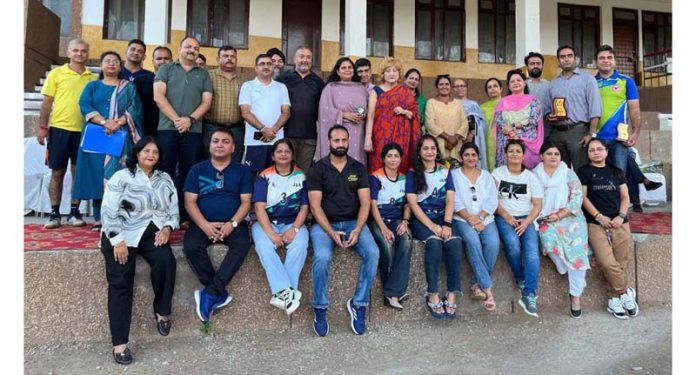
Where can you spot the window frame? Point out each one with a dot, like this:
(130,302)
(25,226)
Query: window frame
(225,23)
(653,26)
(595,20)
(370,16)
(432,8)
(105,23)
(495,12)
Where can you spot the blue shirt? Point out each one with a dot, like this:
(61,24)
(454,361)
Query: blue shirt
(433,200)
(390,195)
(615,91)
(218,191)
(581,97)
(284,195)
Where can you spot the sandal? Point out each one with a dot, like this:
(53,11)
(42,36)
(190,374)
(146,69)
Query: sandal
(123,358)
(96,227)
(489,304)
(452,306)
(476,293)
(432,307)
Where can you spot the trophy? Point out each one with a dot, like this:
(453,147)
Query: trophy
(622,132)
(559,110)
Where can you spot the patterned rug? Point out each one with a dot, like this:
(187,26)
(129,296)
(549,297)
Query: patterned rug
(651,222)
(37,238)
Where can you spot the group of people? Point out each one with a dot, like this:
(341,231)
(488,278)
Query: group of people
(375,165)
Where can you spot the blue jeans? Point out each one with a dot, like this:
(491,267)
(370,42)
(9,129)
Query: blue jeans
(324,246)
(434,246)
(394,258)
(618,154)
(524,270)
(182,150)
(481,249)
(281,275)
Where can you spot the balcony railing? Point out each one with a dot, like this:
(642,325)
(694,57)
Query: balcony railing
(657,69)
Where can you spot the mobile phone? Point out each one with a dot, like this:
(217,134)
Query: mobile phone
(258,135)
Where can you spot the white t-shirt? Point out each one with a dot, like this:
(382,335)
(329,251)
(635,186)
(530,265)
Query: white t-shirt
(265,102)
(483,189)
(515,192)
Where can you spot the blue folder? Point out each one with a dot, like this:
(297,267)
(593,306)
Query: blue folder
(97,141)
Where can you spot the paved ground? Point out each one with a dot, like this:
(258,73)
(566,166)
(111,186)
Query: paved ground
(513,344)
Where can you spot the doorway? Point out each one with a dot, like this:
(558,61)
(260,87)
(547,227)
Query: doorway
(626,41)
(302,27)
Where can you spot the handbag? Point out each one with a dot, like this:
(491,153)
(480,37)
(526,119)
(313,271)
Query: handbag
(97,141)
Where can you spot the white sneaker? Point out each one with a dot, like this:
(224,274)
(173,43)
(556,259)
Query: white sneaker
(615,308)
(290,299)
(277,301)
(628,301)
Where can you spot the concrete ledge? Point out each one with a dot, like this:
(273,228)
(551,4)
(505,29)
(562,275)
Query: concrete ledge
(65,294)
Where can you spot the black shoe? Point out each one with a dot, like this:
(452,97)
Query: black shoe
(574,313)
(163,326)
(652,185)
(637,207)
(124,358)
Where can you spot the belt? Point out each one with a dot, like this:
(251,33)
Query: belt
(566,127)
(226,124)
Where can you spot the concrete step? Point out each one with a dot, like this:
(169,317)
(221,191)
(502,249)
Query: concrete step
(66,292)
(33,96)
(32,104)
(38,88)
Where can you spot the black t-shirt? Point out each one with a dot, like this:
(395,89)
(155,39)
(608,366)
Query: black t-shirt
(304,96)
(602,190)
(143,85)
(340,200)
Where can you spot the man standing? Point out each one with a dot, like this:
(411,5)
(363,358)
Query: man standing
(218,197)
(265,107)
(161,55)
(537,85)
(278,58)
(224,110)
(335,184)
(573,107)
(304,89)
(183,93)
(143,79)
(364,69)
(61,95)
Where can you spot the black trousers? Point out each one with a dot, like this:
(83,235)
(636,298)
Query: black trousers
(120,279)
(196,250)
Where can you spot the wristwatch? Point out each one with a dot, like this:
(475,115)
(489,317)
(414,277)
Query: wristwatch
(593,135)
(193,119)
(234,223)
(622,215)
(297,230)
(102,122)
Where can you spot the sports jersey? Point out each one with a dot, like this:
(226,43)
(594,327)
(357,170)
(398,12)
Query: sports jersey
(390,195)
(284,195)
(433,200)
(615,91)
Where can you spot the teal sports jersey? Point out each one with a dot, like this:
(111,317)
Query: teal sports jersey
(390,195)
(615,91)
(433,200)
(283,195)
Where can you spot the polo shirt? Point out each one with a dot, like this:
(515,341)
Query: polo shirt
(65,86)
(304,96)
(284,195)
(218,191)
(340,201)
(615,91)
(582,97)
(184,92)
(265,102)
(434,199)
(390,195)
(225,106)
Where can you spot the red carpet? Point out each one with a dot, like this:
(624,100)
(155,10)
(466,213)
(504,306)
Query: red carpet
(37,238)
(651,222)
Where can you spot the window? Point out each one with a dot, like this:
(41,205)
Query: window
(657,32)
(578,26)
(218,22)
(124,19)
(434,41)
(63,9)
(380,26)
(496,30)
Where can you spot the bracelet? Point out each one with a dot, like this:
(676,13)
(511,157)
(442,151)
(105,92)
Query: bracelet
(597,215)
(193,119)
(447,224)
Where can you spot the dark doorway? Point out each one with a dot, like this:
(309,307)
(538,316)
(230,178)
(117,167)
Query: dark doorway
(626,40)
(302,26)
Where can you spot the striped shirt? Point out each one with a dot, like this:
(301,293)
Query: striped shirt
(225,106)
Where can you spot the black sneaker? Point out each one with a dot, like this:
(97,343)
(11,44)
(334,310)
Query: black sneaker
(637,207)
(652,185)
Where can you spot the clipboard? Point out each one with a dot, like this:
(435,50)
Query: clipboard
(97,141)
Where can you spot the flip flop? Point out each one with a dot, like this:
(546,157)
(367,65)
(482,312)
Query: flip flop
(432,307)
(476,293)
(489,304)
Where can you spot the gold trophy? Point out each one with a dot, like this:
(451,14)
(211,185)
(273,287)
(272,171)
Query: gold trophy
(622,132)
(559,110)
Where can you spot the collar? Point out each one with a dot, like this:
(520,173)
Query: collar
(327,160)
(66,69)
(614,75)
(177,62)
(258,82)
(139,170)
(217,71)
(577,70)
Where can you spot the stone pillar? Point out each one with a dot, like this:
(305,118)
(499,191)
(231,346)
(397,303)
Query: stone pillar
(527,29)
(356,27)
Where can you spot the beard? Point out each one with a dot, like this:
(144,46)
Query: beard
(535,73)
(340,152)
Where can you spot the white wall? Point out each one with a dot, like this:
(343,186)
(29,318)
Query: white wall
(178,15)
(331,20)
(93,12)
(266,18)
(405,23)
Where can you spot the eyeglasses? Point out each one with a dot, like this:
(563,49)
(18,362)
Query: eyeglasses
(598,149)
(111,62)
(220,180)
(473,194)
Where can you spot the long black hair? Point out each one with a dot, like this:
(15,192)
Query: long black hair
(607,161)
(333,77)
(421,183)
(101,58)
(132,160)
(408,73)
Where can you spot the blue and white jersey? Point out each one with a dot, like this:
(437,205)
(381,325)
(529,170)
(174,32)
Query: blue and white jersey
(283,195)
(390,195)
(433,200)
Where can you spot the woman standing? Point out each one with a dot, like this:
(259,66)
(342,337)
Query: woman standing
(281,206)
(518,116)
(519,202)
(493,88)
(562,227)
(412,80)
(113,103)
(430,196)
(475,202)
(343,101)
(392,116)
(140,211)
(605,204)
(389,225)
(447,121)
(478,126)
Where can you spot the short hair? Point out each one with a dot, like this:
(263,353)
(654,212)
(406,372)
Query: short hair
(442,76)
(132,160)
(338,127)
(181,43)
(101,58)
(259,57)
(485,85)
(276,51)
(547,146)
(518,142)
(202,57)
(521,74)
(567,46)
(386,63)
(77,41)
(391,146)
(533,54)
(280,142)
(602,48)
(301,47)
(222,129)
(137,41)
(363,62)
(224,48)
(161,47)
(466,146)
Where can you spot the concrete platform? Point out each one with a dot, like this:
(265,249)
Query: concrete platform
(65,293)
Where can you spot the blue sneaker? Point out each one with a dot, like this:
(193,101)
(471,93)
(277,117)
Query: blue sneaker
(221,301)
(204,304)
(357,317)
(321,325)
